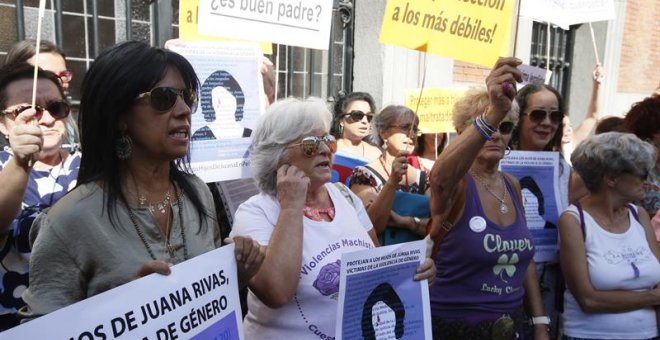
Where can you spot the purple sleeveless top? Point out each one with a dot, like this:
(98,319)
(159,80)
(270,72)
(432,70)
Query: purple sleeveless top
(480,269)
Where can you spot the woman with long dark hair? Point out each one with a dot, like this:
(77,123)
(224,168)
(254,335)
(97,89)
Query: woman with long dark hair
(136,209)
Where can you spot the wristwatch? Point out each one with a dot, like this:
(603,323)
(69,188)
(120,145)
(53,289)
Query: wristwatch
(539,320)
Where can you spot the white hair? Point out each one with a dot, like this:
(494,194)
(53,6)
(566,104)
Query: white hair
(283,123)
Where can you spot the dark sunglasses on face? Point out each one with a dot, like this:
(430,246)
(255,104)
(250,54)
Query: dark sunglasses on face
(310,145)
(505,128)
(357,115)
(164,98)
(538,116)
(65,76)
(58,109)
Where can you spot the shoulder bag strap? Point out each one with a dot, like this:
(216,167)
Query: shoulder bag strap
(344,191)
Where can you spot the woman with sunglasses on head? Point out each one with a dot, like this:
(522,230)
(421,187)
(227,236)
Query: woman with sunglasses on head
(306,222)
(34,171)
(609,255)
(486,281)
(135,198)
(393,191)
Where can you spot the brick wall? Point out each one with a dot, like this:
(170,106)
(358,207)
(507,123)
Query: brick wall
(470,73)
(639,70)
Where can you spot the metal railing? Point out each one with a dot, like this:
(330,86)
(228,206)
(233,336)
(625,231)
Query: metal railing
(561,50)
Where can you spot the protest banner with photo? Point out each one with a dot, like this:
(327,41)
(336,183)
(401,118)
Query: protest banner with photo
(540,184)
(188,26)
(378,298)
(289,22)
(475,32)
(198,300)
(434,108)
(229,104)
(564,13)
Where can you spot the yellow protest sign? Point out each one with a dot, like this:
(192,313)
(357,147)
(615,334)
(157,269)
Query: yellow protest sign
(188,20)
(475,31)
(435,107)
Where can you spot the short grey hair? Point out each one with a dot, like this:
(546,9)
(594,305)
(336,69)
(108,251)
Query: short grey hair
(283,123)
(386,118)
(473,103)
(611,154)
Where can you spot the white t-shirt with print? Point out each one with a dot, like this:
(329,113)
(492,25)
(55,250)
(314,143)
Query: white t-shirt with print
(312,312)
(615,262)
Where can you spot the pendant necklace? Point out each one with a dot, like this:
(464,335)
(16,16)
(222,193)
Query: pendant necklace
(503,207)
(168,246)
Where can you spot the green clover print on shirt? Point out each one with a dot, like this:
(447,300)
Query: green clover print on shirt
(504,264)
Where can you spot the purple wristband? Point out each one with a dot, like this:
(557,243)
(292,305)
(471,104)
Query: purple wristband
(480,130)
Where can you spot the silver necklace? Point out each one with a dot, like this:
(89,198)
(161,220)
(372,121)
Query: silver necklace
(503,207)
(160,205)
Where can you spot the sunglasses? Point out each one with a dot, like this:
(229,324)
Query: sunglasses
(538,116)
(310,145)
(505,128)
(57,109)
(164,98)
(407,129)
(65,76)
(357,115)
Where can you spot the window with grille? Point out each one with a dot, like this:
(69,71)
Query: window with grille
(560,52)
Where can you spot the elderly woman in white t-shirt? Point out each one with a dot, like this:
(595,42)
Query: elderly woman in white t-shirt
(609,255)
(306,222)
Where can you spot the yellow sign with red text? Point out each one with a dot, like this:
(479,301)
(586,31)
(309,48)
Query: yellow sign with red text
(188,22)
(475,31)
(434,109)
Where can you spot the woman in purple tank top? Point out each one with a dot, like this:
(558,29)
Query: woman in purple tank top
(484,250)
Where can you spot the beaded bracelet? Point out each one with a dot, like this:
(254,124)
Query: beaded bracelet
(481,131)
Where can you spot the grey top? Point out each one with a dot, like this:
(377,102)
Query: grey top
(78,253)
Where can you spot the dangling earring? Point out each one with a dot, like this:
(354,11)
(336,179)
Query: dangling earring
(123,147)
(341,130)
(507,151)
(384,144)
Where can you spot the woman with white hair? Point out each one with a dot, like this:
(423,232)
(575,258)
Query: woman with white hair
(486,281)
(306,222)
(609,255)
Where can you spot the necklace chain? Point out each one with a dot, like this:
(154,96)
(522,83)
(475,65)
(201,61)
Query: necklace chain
(503,207)
(168,245)
(160,205)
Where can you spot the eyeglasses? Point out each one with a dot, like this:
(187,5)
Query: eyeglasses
(65,76)
(538,116)
(58,109)
(643,175)
(310,144)
(164,98)
(357,115)
(505,128)
(407,129)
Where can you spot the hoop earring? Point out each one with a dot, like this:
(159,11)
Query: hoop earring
(507,151)
(384,144)
(123,147)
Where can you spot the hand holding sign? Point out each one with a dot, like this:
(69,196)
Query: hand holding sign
(501,84)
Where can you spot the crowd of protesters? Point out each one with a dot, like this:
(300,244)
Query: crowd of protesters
(76,222)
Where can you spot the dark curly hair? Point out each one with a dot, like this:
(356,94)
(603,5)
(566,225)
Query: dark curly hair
(643,119)
(523,101)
